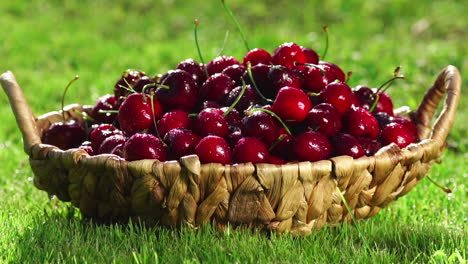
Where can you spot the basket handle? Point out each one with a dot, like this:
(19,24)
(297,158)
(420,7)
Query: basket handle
(23,114)
(448,83)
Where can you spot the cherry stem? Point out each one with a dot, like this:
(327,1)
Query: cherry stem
(237,24)
(192,114)
(274,115)
(311,65)
(374,104)
(249,71)
(277,141)
(382,87)
(237,99)
(154,120)
(226,37)
(348,76)
(195,33)
(84,115)
(325,29)
(313,94)
(445,189)
(101,111)
(130,89)
(65,92)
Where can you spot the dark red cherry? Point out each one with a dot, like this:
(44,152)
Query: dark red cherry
(118,150)
(210,104)
(213,149)
(260,76)
(360,123)
(337,71)
(311,55)
(287,54)
(383,119)
(86,146)
(276,160)
(250,149)
(144,146)
(99,133)
(281,76)
(337,94)
(235,72)
(181,142)
(105,103)
(182,92)
(135,114)
(233,137)
(396,133)
(129,77)
(233,118)
(247,100)
(142,82)
(367,98)
(314,79)
(65,135)
(311,146)
(370,146)
(346,144)
(110,143)
(384,104)
(174,119)
(292,105)
(218,64)
(257,56)
(261,125)
(194,69)
(210,121)
(216,87)
(408,124)
(324,118)
(282,144)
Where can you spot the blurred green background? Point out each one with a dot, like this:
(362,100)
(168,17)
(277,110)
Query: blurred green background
(46,42)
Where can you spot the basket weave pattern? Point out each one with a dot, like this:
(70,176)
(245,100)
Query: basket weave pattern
(296,197)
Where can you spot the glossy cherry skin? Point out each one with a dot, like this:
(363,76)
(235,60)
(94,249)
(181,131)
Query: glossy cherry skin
(346,144)
(282,144)
(291,105)
(360,123)
(182,92)
(218,64)
(384,104)
(233,137)
(369,146)
(250,149)
(260,76)
(135,114)
(65,135)
(118,150)
(210,104)
(337,94)
(324,118)
(106,102)
(216,87)
(213,149)
(233,118)
(408,124)
(311,55)
(174,119)
(181,142)
(287,54)
(110,143)
(311,146)
(235,72)
(142,82)
(194,69)
(281,76)
(396,133)
(129,77)
(367,97)
(210,121)
(276,160)
(99,133)
(86,146)
(337,71)
(248,98)
(144,146)
(257,56)
(261,125)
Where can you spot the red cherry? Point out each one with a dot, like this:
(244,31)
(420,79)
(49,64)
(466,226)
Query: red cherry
(106,102)
(135,114)
(210,121)
(360,123)
(396,133)
(260,125)
(260,76)
(292,105)
(247,100)
(311,146)
(275,160)
(86,146)
(346,144)
(173,119)
(101,132)
(324,118)
(311,55)
(337,94)
(216,87)
(181,142)
(218,64)
(193,68)
(257,56)
(235,72)
(370,146)
(108,145)
(250,149)
(182,92)
(65,135)
(144,146)
(213,149)
(281,76)
(408,124)
(337,71)
(288,54)
(129,77)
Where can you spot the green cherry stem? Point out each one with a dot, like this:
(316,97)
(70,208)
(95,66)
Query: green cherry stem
(445,189)
(277,141)
(108,111)
(195,33)
(325,29)
(154,120)
(228,10)
(65,92)
(237,99)
(249,71)
(272,114)
(226,37)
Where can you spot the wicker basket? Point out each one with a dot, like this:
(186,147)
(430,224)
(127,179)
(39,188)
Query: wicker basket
(296,197)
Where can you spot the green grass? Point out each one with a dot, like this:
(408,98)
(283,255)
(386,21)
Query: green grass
(46,43)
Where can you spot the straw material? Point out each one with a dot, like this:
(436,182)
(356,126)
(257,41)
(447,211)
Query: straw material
(297,197)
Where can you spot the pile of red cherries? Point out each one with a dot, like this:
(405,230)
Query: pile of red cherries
(285,107)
